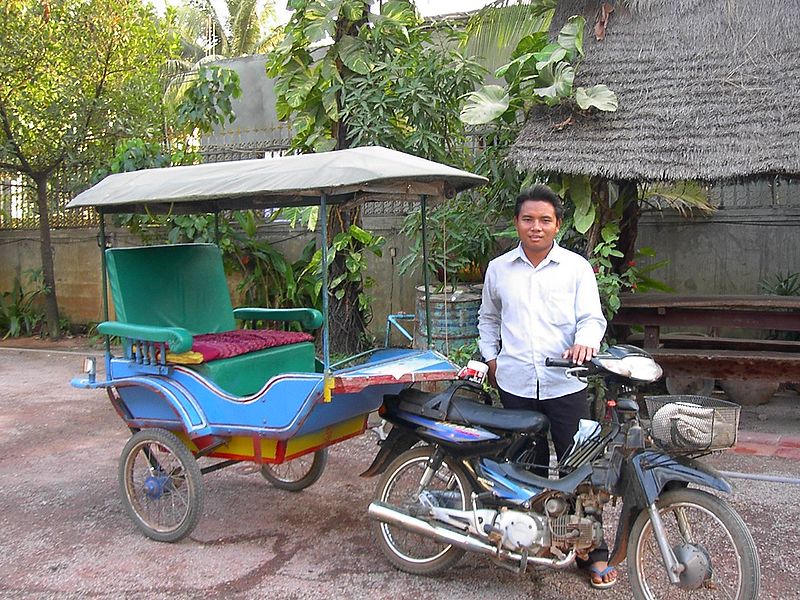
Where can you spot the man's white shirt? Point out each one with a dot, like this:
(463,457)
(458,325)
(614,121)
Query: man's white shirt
(538,312)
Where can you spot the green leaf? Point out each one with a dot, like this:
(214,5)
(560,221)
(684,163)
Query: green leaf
(597,96)
(302,123)
(584,220)
(365,237)
(580,192)
(555,81)
(571,36)
(300,86)
(646,251)
(485,105)
(313,217)
(354,55)
(400,12)
(341,240)
(530,44)
(324,145)
(353,11)
(545,59)
(330,103)
(320,25)
(610,232)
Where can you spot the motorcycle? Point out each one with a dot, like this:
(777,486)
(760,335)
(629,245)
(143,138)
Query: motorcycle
(470,485)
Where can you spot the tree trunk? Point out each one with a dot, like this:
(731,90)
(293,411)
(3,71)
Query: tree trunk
(348,325)
(46,251)
(629,224)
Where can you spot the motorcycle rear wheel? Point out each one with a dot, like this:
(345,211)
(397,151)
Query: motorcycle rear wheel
(703,526)
(400,487)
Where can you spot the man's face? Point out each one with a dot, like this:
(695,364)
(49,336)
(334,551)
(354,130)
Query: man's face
(537,226)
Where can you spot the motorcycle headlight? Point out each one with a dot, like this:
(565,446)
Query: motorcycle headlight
(640,368)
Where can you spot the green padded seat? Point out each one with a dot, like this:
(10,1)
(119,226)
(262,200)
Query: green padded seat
(245,374)
(184,286)
(181,285)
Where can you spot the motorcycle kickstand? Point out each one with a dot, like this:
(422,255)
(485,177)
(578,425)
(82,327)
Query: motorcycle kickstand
(520,569)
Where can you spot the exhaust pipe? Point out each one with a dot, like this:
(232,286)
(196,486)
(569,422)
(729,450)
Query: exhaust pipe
(380,511)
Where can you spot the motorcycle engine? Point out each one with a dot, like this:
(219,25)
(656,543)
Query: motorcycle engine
(522,530)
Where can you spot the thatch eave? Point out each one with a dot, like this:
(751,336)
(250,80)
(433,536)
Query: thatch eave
(709,90)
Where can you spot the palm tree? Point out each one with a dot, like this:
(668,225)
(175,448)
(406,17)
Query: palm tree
(496,29)
(207,35)
(249,27)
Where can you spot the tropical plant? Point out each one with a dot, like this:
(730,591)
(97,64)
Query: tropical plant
(19,313)
(461,239)
(500,25)
(540,73)
(780,284)
(409,98)
(250,27)
(206,101)
(344,80)
(85,79)
(611,281)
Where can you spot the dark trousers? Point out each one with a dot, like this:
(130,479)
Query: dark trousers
(563,413)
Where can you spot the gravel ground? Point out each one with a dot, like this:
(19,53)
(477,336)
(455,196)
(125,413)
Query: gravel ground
(65,533)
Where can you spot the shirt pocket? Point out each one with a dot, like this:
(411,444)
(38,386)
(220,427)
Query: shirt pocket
(561,308)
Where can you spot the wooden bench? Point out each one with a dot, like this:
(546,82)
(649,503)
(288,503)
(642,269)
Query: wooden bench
(752,365)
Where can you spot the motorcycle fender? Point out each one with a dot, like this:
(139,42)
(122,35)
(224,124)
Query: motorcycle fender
(655,470)
(646,476)
(398,441)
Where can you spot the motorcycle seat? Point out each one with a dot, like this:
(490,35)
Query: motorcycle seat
(468,412)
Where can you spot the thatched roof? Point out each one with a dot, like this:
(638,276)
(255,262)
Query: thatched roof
(708,90)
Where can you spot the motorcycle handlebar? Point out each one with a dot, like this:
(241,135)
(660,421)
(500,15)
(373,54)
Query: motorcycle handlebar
(559,362)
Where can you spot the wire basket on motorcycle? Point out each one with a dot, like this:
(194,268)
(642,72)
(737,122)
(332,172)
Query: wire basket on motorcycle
(688,424)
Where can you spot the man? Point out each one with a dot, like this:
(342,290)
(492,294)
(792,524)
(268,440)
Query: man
(541,301)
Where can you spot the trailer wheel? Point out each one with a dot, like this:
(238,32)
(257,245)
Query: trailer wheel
(161,485)
(297,474)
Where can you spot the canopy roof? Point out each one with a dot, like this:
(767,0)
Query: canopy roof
(708,90)
(368,173)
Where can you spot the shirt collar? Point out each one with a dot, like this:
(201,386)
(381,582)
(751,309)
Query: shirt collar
(553,256)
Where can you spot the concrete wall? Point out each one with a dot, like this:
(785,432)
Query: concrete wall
(256,122)
(754,234)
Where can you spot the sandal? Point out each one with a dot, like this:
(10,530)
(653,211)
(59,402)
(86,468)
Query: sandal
(600,574)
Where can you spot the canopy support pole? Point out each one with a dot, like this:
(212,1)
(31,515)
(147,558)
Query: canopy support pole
(326,350)
(104,279)
(424,214)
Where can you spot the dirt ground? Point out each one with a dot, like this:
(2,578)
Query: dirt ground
(65,533)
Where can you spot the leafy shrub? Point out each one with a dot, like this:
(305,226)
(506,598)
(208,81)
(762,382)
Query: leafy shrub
(19,314)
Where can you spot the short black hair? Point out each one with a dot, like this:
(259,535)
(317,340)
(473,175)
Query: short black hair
(541,193)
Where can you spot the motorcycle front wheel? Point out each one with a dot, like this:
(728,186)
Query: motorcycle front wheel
(408,484)
(708,536)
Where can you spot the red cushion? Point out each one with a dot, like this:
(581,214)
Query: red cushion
(214,346)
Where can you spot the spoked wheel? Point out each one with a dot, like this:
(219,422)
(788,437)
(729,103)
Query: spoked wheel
(408,484)
(297,474)
(161,485)
(708,537)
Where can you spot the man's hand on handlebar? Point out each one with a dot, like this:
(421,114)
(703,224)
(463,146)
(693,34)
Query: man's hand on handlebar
(579,354)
